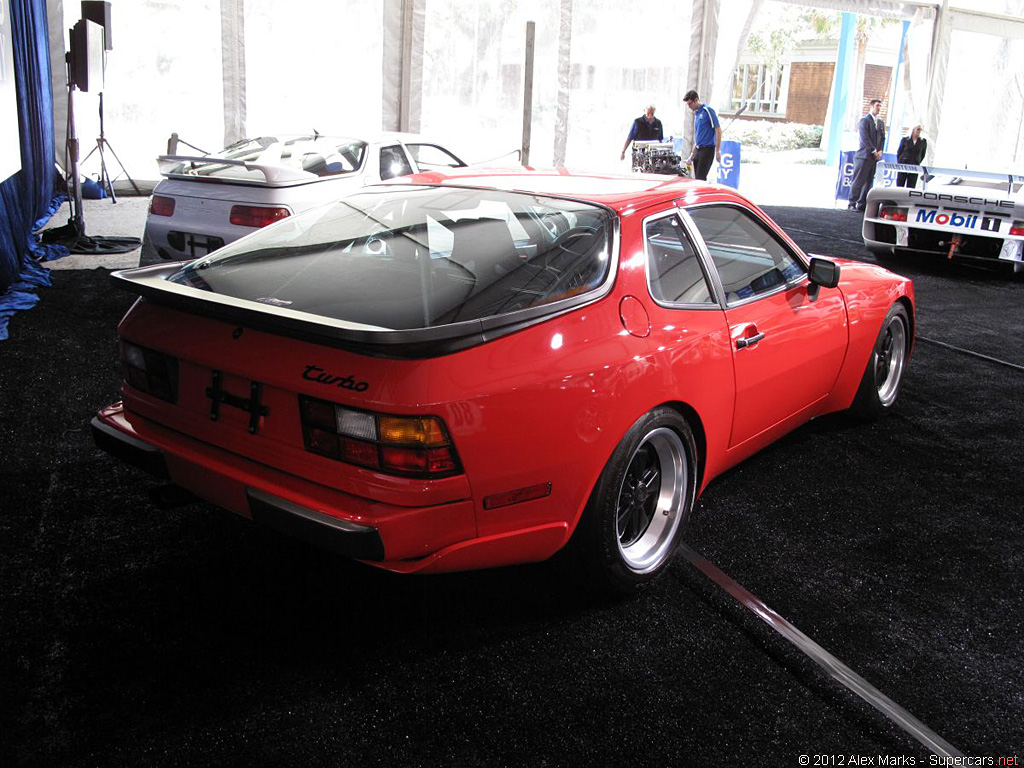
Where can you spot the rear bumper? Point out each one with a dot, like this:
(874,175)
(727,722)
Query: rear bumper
(430,539)
(128,448)
(884,236)
(362,542)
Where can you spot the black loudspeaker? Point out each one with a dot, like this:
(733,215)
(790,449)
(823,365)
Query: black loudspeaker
(86,56)
(99,11)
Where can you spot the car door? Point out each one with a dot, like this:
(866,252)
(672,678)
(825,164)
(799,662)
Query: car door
(787,347)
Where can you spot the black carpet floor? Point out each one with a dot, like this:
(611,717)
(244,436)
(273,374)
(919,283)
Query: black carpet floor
(134,636)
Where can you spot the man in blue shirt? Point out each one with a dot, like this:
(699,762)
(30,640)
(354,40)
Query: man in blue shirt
(645,128)
(707,136)
(871,132)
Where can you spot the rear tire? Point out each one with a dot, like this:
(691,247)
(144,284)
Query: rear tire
(880,385)
(634,520)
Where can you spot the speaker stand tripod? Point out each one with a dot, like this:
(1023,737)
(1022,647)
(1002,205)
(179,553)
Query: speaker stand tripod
(102,144)
(73,234)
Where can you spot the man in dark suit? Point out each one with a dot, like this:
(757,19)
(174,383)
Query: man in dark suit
(871,131)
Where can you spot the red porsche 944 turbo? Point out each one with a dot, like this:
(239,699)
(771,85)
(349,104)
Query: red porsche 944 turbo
(477,369)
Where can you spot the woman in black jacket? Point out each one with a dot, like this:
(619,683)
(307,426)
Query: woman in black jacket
(911,152)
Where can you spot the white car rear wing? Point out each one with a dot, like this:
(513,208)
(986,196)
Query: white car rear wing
(273,175)
(928,172)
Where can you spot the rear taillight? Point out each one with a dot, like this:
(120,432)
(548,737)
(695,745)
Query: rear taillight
(892,213)
(257,215)
(150,371)
(416,446)
(161,206)
(1017,228)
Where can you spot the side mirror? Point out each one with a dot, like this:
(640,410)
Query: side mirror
(822,274)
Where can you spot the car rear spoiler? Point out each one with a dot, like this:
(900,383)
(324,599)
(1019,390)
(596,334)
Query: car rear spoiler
(928,172)
(151,283)
(273,175)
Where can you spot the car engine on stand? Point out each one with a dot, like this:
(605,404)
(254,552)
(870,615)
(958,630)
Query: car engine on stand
(659,157)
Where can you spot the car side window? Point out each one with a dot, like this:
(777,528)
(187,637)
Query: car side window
(673,267)
(749,259)
(393,162)
(433,156)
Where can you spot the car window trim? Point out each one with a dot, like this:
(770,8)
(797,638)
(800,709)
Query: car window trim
(713,288)
(789,284)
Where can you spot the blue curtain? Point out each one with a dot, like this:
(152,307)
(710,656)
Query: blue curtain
(26,199)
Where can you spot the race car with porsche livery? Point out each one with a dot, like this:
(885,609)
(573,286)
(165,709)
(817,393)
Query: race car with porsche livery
(961,215)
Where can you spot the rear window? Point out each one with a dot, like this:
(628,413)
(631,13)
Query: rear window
(318,155)
(417,257)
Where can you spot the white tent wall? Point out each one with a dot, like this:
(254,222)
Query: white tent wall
(214,70)
(704,25)
(58,77)
(233,81)
(314,65)
(624,58)
(978,118)
(404,23)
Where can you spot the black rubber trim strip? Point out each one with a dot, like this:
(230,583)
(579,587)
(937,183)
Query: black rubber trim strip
(833,666)
(129,449)
(339,536)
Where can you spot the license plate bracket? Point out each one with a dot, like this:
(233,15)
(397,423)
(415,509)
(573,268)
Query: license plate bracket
(253,405)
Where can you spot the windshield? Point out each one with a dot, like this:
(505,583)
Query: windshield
(319,155)
(417,257)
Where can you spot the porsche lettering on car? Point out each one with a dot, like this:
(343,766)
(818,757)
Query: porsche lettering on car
(958,214)
(476,369)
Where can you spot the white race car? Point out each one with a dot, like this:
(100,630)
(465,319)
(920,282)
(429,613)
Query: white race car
(954,214)
(207,201)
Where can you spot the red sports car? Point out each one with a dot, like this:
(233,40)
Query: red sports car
(471,370)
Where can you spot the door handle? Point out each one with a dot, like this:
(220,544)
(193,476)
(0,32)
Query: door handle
(749,341)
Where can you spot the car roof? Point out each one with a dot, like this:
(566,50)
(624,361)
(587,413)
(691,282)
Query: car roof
(620,192)
(369,137)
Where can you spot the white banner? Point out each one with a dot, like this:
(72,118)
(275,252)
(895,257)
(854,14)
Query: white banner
(10,136)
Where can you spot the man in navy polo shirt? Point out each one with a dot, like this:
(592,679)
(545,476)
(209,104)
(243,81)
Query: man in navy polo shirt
(707,136)
(645,128)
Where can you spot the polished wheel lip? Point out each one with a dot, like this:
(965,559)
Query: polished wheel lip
(890,357)
(653,490)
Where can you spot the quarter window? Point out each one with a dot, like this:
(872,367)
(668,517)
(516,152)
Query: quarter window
(673,267)
(393,162)
(749,259)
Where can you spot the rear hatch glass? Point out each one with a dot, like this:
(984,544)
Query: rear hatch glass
(414,257)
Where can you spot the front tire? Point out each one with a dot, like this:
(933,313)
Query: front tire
(634,520)
(880,385)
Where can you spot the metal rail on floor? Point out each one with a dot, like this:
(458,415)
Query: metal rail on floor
(833,666)
(972,353)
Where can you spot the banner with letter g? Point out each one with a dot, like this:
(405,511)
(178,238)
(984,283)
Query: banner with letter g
(729,168)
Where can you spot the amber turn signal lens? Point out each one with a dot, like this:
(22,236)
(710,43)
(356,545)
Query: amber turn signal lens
(423,432)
